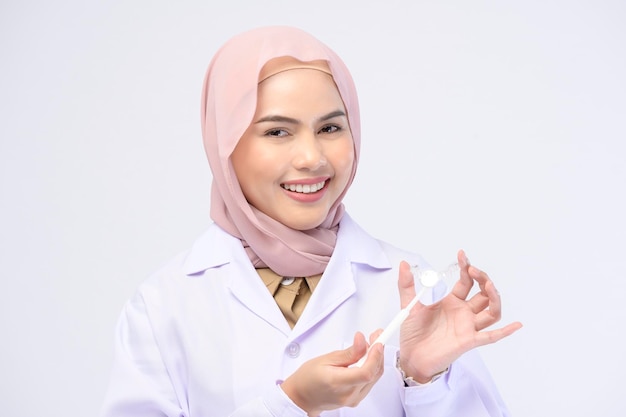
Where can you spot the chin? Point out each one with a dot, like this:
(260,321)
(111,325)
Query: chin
(304,224)
(302,218)
(304,227)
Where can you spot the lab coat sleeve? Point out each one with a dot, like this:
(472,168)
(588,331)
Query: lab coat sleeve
(141,384)
(467,389)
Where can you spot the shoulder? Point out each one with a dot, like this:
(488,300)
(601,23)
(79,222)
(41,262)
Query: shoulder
(212,248)
(370,249)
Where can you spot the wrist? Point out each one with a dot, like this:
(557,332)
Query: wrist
(295,397)
(413,378)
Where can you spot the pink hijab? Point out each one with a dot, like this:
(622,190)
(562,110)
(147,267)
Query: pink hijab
(228,106)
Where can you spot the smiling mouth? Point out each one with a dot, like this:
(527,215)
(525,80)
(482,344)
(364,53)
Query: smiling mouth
(304,188)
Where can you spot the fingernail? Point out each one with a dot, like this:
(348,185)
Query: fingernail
(467,262)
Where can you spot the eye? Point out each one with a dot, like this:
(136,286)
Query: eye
(277,133)
(330,129)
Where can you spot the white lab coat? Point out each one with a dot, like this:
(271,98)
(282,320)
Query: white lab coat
(203,337)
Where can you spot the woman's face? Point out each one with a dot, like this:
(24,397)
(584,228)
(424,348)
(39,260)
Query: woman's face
(295,159)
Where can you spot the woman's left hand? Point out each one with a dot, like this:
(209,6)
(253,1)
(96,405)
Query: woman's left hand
(432,337)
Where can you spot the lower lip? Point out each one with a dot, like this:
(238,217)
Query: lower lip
(307,197)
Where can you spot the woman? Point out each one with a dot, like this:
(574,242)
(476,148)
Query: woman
(205,337)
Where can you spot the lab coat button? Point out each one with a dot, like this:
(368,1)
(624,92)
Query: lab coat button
(293,350)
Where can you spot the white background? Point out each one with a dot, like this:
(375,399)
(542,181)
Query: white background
(497,127)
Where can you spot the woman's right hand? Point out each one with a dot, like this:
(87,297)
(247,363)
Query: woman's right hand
(328,382)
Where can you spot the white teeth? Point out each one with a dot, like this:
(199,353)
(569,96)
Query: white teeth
(304,188)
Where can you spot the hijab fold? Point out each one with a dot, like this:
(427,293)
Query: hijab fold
(228,105)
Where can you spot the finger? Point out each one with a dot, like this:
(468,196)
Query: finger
(464,285)
(375,335)
(373,340)
(479,276)
(485,319)
(406,284)
(488,289)
(374,364)
(489,316)
(373,374)
(469,274)
(352,354)
(478,302)
(492,336)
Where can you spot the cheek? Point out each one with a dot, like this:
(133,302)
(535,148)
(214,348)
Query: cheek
(254,161)
(248,164)
(344,158)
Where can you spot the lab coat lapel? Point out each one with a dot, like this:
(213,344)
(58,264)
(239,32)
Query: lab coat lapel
(248,288)
(335,287)
(354,247)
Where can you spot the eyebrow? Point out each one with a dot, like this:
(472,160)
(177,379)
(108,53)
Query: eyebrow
(285,119)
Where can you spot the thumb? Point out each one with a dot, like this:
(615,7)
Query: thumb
(406,284)
(353,353)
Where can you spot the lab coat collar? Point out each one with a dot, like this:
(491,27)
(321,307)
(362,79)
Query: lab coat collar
(354,249)
(359,247)
(217,248)
(205,254)
(355,245)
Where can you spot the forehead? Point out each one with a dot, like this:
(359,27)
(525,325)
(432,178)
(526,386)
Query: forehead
(297,91)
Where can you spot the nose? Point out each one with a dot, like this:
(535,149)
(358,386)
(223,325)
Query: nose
(308,152)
